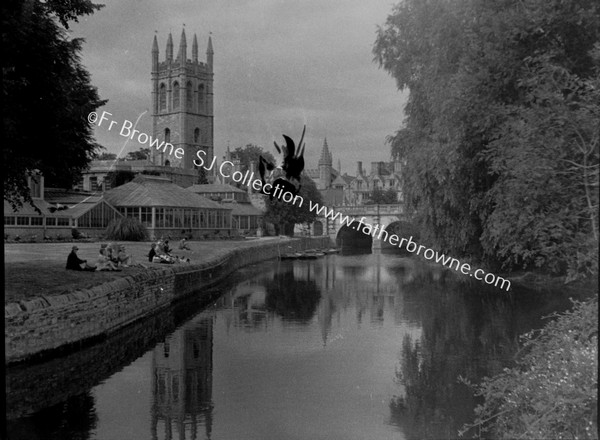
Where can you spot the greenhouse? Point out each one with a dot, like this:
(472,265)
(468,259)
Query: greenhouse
(167,209)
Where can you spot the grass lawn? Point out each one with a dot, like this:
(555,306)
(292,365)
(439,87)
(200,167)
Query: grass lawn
(51,278)
(36,269)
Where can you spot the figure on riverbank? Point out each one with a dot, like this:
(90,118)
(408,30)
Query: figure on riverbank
(76,263)
(104,262)
(183,245)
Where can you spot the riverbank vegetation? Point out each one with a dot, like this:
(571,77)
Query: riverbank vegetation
(552,390)
(501,152)
(500,142)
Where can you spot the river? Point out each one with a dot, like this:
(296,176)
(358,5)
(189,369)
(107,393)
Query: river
(364,346)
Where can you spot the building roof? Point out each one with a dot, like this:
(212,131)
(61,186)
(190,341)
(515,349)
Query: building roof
(214,188)
(69,196)
(49,209)
(157,191)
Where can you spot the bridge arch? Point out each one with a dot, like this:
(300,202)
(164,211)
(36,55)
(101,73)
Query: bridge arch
(352,237)
(402,229)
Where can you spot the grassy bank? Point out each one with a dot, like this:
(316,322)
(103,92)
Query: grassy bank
(36,269)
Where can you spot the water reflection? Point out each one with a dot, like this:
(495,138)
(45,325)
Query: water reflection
(182,368)
(345,347)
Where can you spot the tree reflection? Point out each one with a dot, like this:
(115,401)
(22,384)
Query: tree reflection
(291,298)
(72,419)
(468,334)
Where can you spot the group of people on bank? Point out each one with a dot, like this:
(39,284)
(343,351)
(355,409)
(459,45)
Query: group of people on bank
(161,252)
(111,257)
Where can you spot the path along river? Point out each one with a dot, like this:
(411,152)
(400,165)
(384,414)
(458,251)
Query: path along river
(345,347)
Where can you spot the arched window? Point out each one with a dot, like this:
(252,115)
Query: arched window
(201,98)
(167,135)
(196,135)
(176,95)
(189,96)
(162,97)
(167,163)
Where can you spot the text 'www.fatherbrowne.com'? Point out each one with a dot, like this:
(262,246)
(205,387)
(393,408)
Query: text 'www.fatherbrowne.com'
(411,246)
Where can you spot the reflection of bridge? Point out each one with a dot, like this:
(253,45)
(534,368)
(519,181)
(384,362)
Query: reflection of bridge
(382,215)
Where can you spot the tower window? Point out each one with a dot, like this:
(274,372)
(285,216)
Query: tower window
(167,135)
(189,96)
(196,135)
(176,95)
(201,98)
(162,97)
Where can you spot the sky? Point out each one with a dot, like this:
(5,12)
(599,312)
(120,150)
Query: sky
(278,64)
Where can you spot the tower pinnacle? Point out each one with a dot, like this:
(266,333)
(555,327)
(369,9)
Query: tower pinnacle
(170,47)
(195,49)
(182,56)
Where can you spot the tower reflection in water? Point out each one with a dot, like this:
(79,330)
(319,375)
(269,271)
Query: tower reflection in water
(182,382)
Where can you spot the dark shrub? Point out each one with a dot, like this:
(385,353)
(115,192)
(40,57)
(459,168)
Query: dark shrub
(126,229)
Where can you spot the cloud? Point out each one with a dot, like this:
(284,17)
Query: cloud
(278,65)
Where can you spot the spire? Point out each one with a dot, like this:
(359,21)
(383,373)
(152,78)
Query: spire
(325,155)
(170,48)
(195,50)
(182,56)
(209,54)
(339,166)
(155,54)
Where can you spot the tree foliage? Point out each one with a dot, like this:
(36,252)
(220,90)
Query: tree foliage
(47,96)
(141,154)
(249,154)
(118,178)
(284,215)
(552,392)
(107,156)
(501,135)
(382,197)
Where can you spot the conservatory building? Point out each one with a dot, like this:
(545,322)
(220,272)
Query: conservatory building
(167,209)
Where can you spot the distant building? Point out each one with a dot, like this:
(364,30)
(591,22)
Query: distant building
(342,189)
(246,217)
(59,212)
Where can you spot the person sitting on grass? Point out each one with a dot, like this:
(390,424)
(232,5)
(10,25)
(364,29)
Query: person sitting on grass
(104,263)
(152,252)
(75,263)
(183,245)
(122,257)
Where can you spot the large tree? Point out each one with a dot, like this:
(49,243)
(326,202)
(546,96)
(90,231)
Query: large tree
(46,95)
(501,136)
(285,215)
(250,154)
(141,154)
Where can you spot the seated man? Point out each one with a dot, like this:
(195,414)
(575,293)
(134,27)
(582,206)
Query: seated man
(183,245)
(75,263)
(152,252)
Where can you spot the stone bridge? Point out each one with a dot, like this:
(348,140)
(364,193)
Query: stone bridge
(381,215)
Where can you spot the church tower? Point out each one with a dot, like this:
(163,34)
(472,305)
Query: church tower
(325,164)
(182,103)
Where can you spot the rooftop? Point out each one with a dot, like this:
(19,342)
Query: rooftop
(157,191)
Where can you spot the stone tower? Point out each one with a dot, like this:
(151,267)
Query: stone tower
(182,103)
(325,164)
